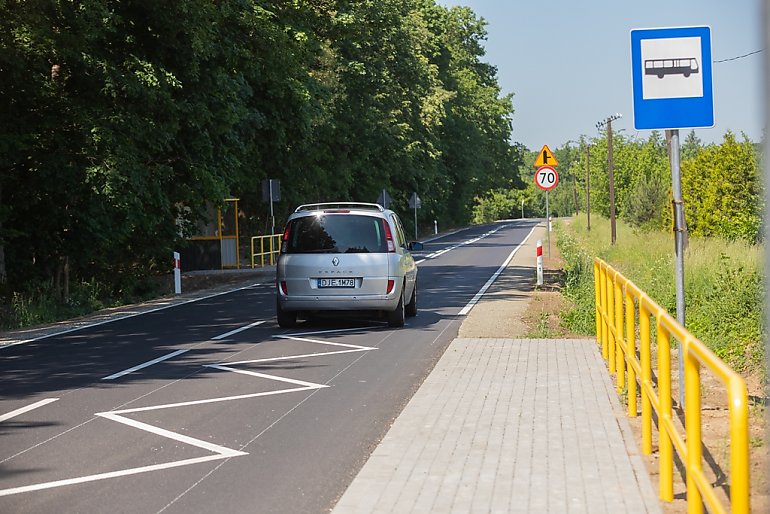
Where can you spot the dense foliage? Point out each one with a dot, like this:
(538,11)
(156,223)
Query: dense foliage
(721,185)
(724,292)
(122,121)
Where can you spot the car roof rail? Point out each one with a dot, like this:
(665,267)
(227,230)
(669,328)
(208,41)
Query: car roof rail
(339,205)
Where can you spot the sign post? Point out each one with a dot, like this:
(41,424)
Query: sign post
(415,203)
(384,199)
(546,178)
(271,192)
(672,79)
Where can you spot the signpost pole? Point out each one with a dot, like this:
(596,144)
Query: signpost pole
(664,100)
(679,229)
(548,222)
(272,216)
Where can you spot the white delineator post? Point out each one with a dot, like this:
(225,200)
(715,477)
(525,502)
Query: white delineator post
(177,274)
(539,262)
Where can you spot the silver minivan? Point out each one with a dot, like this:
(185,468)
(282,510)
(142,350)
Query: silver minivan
(345,256)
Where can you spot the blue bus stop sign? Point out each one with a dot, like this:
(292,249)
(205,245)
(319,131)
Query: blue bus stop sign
(671,70)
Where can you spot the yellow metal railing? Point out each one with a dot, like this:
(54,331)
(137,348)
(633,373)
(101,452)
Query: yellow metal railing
(621,304)
(273,244)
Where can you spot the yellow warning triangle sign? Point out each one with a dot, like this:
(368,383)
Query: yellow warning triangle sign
(546,158)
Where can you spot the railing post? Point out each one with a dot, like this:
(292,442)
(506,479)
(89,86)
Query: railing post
(620,377)
(630,351)
(252,252)
(598,295)
(605,314)
(665,446)
(646,365)
(692,423)
(739,446)
(612,344)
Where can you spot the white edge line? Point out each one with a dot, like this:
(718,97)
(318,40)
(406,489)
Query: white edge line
(465,310)
(127,316)
(19,412)
(237,330)
(145,364)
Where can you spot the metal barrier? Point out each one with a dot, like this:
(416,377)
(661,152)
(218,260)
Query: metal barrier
(274,248)
(613,293)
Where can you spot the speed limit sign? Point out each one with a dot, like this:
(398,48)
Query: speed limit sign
(546,177)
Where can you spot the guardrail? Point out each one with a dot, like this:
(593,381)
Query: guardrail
(619,304)
(273,243)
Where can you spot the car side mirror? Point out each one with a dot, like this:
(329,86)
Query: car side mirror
(414,246)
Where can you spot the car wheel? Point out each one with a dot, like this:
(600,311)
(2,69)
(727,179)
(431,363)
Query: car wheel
(396,317)
(411,307)
(286,319)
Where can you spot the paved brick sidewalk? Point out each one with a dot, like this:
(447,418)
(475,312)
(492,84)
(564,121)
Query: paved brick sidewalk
(508,425)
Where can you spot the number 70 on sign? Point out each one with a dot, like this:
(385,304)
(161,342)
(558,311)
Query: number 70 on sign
(546,177)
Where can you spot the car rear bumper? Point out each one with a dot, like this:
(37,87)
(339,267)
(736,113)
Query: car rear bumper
(340,303)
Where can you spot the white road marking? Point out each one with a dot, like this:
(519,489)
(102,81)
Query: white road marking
(309,385)
(317,332)
(19,412)
(126,315)
(146,364)
(211,447)
(465,310)
(326,342)
(104,476)
(237,330)
(220,452)
(469,241)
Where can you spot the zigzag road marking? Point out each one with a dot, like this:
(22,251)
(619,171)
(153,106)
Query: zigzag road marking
(219,452)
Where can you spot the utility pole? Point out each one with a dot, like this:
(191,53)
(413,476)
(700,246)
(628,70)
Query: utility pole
(611,176)
(574,194)
(611,173)
(588,185)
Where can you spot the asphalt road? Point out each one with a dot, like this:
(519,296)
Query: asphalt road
(210,406)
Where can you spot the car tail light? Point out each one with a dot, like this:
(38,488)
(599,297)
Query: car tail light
(389,238)
(286,232)
(282,285)
(391,285)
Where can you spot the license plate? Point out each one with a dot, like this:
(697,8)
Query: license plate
(336,282)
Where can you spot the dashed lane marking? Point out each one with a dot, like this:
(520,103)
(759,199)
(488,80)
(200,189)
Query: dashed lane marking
(19,412)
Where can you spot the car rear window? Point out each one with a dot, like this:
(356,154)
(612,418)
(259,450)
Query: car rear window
(336,233)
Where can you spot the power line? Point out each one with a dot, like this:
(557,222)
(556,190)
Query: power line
(740,56)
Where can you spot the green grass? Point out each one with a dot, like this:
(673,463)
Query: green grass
(724,291)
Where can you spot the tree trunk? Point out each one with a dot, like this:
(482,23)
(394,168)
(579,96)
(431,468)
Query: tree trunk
(66,279)
(3,275)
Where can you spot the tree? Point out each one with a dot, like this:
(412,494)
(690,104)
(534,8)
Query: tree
(721,188)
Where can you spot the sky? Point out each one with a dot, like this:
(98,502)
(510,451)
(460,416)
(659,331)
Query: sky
(568,63)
